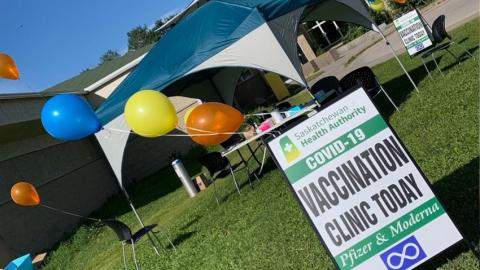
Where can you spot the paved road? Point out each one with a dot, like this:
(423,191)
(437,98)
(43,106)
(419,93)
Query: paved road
(457,12)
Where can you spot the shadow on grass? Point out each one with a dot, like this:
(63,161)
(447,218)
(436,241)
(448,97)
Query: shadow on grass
(190,223)
(462,57)
(458,193)
(151,188)
(180,239)
(463,40)
(243,181)
(399,88)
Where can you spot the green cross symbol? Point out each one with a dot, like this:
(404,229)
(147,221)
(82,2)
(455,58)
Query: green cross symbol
(290,151)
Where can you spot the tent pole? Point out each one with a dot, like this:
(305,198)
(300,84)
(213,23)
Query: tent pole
(143,225)
(396,57)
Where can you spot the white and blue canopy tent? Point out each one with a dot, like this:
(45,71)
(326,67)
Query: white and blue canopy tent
(204,54)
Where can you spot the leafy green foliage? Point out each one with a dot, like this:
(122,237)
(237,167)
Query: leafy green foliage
(264,228)
(142,36)
(109,56)
(409,5)
(352,31)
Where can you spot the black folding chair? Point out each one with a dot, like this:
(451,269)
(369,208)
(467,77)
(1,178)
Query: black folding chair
(284,106)
(126,237)
(365,77)
(326,85)
(219,167)
(323,86)
(439,34)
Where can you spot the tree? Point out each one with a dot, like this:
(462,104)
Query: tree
(142,36)
(137,37)
(109,56)
(156,35)
(160,23)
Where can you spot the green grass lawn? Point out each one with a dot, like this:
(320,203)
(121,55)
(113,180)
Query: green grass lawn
(263,228)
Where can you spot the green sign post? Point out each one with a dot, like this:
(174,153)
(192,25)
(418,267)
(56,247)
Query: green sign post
(364,194)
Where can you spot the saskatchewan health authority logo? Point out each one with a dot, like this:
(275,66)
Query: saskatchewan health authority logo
(403,255)
(290,151)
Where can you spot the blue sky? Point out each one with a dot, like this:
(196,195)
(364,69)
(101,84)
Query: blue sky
(54,40)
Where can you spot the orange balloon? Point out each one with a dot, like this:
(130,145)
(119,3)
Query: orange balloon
(400,1)
(213,117)
(8,68)
(24,194)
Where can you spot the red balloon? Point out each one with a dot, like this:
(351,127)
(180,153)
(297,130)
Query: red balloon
(212,118)
(24,194)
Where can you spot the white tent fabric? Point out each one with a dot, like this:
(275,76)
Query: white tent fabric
(231,35)
(271,46)
(113,141)
(259,49)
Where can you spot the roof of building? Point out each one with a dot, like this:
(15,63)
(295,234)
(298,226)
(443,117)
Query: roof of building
(40,95)
(87,78)
(194,5)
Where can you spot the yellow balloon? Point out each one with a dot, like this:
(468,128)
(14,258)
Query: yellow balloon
(150,113)
(377,5)
(187,114)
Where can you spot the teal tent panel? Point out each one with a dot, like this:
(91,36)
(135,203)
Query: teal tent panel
(214,27)
(195,39)
(351,11)
(272,9)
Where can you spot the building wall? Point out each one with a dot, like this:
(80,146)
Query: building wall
(6,253)
(73,176)
(20,110)
(97,97)
(305,47)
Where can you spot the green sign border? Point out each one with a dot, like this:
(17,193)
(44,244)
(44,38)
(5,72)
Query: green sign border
(377,248)
(370,128)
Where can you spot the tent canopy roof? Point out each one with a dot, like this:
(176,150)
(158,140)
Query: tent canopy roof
(212,35)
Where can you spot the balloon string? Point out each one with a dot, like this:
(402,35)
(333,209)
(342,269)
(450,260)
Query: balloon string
(263,114)
(208,133)
(260,114)
(195,129)
(257,114)
(197,135)
(69,213)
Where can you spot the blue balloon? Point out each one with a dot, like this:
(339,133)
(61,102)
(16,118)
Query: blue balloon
(69,117)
